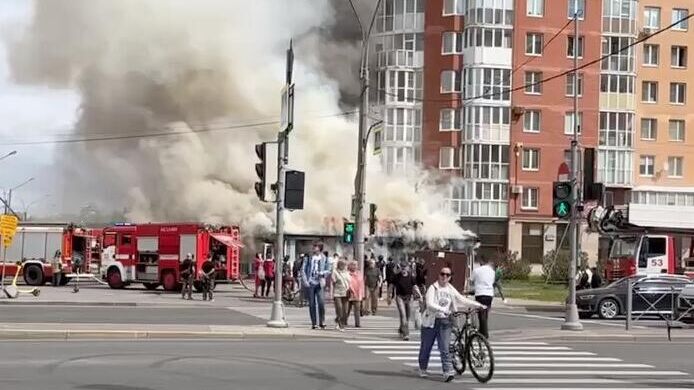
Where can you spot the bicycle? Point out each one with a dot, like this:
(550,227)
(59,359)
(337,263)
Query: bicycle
(471,347)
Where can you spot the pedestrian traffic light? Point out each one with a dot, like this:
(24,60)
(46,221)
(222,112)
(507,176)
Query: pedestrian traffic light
(294,190)
(261,170)
(348,233)
(562,194)
(372,219)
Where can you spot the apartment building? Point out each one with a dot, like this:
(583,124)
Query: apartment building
(664,162)
(476,90)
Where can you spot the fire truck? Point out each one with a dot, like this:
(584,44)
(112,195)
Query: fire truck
(36,245)
(646,240)
(151,253)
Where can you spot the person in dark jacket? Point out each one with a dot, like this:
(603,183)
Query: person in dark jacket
(187,276)
(207,277)
(596,281)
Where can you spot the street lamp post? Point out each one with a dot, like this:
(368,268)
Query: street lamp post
(35,201)
(8,204)
(360,179)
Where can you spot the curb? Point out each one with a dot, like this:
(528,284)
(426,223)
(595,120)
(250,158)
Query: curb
(69,303)
(22,334)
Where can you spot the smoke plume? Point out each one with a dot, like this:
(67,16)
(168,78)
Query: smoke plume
(212,71)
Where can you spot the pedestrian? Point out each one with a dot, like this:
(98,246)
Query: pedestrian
(187,276)
(421,275)
(372,279)
(390,272)
(297,274)
(382,269)
(355,293)
(259,272)
(313,279)
(207,278)
(596,280)
(482,280)
(269,267)
(341,279)
(498,274)
(404,288)
(57,268)
(328,279)
(442,299)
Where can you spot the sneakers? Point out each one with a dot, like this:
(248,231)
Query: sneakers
(422,373)
(313,327)
(406,338)
(448,376)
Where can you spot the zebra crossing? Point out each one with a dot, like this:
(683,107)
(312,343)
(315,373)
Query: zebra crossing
(540,365)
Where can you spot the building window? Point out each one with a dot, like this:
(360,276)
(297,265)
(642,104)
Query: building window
(487,83)
(452,42)
(651,54)
(570,84)
(487,123)
(651,17)
(530,198)
(617,83)
(400,86)
(647,165)
(450,81)
(580,11)
(533,44)
(531,159)
(616,129)
(649,129)
(674,166)
(453,7)
(649,91)
(531,121)
(533,83)
(398,15)
(620,54)
(615,166)
(571,46)
(679,57)
(403,125)
(676,130)
(487,37)
(450,119)
(678,93)
(485,161)
(569,122)
(536,8)
(447,158)
(680,15)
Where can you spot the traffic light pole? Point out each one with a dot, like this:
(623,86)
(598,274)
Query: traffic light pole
(571,320)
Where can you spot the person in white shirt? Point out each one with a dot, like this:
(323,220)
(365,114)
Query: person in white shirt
(482,280)
(442,299)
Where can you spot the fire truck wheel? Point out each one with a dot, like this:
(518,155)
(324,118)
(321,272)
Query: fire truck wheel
(33,275)
(151,286)
(168,280)
(114,279)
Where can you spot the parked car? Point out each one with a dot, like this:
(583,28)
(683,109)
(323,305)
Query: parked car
(652,293)
(685,303)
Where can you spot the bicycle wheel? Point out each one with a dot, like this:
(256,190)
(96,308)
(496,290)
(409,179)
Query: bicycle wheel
(480,357)
(457,353)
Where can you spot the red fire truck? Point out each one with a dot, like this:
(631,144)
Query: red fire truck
(37,245)
(647,240)
(151,254)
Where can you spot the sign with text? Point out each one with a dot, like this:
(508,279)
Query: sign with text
(8,227)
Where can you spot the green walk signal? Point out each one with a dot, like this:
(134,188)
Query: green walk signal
(562,199)
(348,233)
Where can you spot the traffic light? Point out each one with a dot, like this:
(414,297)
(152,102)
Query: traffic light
(348,233)
(372,219)
(261,170)
(294,190)
(563,191)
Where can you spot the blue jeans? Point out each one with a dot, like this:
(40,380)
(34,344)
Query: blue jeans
(441,333)
(315,301)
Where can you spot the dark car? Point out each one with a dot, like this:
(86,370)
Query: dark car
(652,293)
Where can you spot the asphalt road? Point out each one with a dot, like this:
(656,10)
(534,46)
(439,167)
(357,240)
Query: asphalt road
(320,365)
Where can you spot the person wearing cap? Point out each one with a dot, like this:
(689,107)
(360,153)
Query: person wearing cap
(187,276)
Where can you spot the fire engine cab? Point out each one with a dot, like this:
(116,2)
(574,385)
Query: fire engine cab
(151,254)
(39,246)
(646,243)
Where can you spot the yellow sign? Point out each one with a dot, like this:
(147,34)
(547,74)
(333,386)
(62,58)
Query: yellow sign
(8,227)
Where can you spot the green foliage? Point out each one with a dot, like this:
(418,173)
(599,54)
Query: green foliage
(555,265)
(513,267)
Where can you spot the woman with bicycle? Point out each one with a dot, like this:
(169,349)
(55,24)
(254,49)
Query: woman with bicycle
(442,299)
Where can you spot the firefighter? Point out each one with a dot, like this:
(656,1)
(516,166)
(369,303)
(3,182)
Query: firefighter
(187,276)
(57,268)
(207,276)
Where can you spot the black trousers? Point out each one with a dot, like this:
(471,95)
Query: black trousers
(483,315)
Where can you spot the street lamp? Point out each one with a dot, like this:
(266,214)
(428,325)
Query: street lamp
(12,153)
(360,179)
(35,201)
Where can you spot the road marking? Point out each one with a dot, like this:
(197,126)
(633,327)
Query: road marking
(398,342)
(555,359)
(494,348)
(589,372)
(575,388)
(539,317)
(546,381)
(573,365)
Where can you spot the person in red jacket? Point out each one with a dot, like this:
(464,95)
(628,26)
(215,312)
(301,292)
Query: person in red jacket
(269,266)
(259,272)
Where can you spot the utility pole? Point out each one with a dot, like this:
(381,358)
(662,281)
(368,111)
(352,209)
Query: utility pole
(277,319)
(363,140)
(571,320)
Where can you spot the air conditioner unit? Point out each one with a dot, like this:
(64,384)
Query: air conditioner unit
(645,32)
(516,189)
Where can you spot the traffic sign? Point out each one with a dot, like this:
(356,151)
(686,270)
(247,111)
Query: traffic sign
(8,227)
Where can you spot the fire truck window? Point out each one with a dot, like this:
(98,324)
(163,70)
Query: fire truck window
(656,246)
(126,240)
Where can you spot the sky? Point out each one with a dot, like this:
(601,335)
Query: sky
(29,113)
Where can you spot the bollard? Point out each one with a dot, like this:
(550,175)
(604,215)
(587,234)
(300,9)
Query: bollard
(630,287)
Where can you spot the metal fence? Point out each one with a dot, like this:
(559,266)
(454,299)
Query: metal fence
(670,304)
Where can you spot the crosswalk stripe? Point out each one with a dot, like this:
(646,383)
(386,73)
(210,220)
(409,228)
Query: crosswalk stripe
(399,342)
(408,349)
(573,365)
(589,372)
(574,388)
(546,381)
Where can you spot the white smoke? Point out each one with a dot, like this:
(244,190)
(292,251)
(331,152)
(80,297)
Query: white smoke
(204,68)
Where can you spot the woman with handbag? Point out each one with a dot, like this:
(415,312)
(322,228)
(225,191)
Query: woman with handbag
(341,281)
(355,293)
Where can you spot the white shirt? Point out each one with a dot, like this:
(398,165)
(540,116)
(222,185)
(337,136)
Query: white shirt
(482,279)
(442,301)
